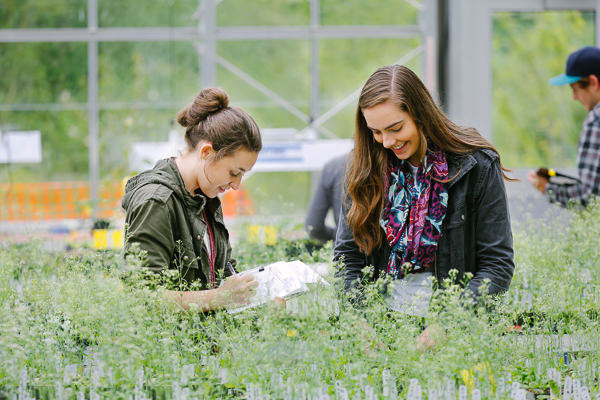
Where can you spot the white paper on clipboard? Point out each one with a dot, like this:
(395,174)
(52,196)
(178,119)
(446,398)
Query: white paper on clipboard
(280,279)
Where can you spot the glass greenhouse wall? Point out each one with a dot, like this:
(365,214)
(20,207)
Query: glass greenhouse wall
(96,76)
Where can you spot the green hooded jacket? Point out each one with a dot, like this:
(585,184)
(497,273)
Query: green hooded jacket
(161,213)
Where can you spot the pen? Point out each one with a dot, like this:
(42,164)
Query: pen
(231,269)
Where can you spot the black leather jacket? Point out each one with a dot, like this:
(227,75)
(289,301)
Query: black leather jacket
(476,235)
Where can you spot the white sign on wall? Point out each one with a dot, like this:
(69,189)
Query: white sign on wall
(144,155)
(283,151)
(20,147)
(300,156)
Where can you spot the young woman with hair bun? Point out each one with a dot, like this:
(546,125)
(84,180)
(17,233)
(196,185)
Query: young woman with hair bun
(173,213)
(423,196)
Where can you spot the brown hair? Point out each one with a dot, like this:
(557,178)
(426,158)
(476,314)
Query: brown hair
(209,118)
(365,174)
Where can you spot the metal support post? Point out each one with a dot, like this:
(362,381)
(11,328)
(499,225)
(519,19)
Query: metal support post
(428,22)
(93,109)
(597,24)
(208,51)
(315,62)
(469,65)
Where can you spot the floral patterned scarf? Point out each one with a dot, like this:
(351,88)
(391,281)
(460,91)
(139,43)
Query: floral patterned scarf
(413,212)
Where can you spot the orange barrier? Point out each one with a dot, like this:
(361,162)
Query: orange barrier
(43,201)
(237,202)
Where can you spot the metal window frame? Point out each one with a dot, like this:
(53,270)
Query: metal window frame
(468,74)
(207,34)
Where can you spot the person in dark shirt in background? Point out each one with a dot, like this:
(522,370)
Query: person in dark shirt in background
(328,195)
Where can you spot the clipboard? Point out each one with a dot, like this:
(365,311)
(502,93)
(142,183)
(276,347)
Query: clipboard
(280,279)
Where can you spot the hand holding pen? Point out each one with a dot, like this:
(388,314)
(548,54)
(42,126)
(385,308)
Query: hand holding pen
(238,288)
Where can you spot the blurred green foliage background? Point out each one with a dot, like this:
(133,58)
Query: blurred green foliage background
(142,85)
(534,123)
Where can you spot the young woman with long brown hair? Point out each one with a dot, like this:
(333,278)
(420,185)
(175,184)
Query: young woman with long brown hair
(423,196)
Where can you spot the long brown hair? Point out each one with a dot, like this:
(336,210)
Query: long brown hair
(209,118)
(365,174)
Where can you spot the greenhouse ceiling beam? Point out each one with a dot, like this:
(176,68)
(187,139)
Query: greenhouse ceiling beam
(546,5)
(100,34)
(320,32)
(542,5)
(118,105)
(191,33)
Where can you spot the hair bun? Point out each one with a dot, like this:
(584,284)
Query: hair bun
(208,101)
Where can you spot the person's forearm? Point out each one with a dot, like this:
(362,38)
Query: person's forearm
(322,233)
(564,194)
(315,223)
(205,300)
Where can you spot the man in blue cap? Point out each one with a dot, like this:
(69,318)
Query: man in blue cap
(583,74)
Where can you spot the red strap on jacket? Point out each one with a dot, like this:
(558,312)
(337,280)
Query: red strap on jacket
(212,253)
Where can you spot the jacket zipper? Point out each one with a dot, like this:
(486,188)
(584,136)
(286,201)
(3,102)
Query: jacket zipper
(435,262)
(435,267)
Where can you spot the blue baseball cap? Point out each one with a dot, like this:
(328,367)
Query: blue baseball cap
(580,64)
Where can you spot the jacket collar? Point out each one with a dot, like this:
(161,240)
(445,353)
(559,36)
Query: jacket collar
(458,166)
(196,202)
